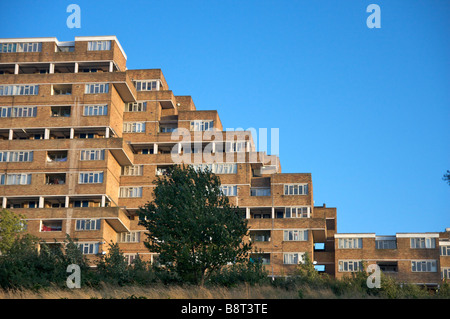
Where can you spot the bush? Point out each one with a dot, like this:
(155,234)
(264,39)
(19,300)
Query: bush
(251,272)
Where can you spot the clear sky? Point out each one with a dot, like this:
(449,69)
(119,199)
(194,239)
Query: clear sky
(365,111)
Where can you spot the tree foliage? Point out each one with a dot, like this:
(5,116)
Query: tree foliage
(446,177)
(11,227)
(192,226)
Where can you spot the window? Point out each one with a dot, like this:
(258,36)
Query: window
(86,135)
(218,168)
(199,126)
(295,189)
(99,45)
(296,212)
(60,111)
(20,47)
(445,272)
(81,203)
(92,155)
(94,88)
(128,192)
(90,178)
(229,190)
(260,235)
(263,258)
(95,110)
(136,107)
(19,89)
(134,170)
(292,258)
(134,127)
(350,243)
(88,248)
(147,85)
(349,265)
(130,258)
(423,266)
(51,225)
(55,179)
(131,237)
(16,156)
(232,147)
(386,244)
(167,128)
(424,242)
(88,224)
(57,156)
(295,235)
(260,192)
(15,179)
(18,111)
(444,250)
(146,151)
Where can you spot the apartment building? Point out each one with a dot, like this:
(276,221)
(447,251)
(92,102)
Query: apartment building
(82,139)
(420,258)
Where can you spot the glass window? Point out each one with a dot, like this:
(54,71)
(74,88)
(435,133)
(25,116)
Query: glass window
(95,110)
(99,45)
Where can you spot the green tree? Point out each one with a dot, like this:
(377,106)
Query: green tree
(192,226)
(114,267)
(11,227)
(446,177)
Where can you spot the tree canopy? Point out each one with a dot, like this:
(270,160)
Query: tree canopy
(11,226)
(192,226)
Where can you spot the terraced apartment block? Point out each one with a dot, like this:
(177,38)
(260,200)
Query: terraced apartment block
(82,139)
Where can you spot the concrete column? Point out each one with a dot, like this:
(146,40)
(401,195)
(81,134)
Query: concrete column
(41,202)
(51,68)
(247,212)
(46,134)
(111,66)
(155,148)
(75,70)
(103,201)
(107,132)
(16,68)
(72,133)
(4,202)
(66,204)
(11,135)
(273,212)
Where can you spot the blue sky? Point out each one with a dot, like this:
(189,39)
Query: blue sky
(365,111)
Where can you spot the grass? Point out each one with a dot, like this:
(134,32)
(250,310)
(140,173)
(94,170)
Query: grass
(154,292)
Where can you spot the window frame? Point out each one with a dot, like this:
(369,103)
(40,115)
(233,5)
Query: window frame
(350,243)
(96,177)
(295,189)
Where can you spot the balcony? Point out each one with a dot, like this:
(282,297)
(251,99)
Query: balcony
(114,216)
(117,146)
